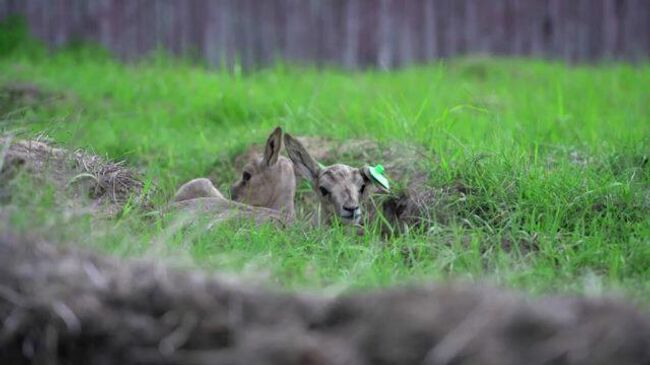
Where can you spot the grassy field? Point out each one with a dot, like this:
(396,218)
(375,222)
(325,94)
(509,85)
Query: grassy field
(555,156)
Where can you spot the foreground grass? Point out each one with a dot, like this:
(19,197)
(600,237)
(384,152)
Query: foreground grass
(555,159)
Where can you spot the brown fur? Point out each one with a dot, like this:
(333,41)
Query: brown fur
(197,188)
(265,192)
(267,181)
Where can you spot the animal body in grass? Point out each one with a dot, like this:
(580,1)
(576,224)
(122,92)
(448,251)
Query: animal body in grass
(341,189)
(264,192)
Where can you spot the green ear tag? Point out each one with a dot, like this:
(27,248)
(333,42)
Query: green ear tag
(377,174)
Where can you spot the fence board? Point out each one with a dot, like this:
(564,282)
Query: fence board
(349,33)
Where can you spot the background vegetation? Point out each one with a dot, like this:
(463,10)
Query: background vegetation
(554,158)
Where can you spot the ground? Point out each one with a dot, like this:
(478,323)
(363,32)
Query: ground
(70,306)
(538,170)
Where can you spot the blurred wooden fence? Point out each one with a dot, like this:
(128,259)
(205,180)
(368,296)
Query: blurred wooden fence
(351,33)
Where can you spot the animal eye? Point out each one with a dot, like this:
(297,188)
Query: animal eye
(245,176)
(324,191)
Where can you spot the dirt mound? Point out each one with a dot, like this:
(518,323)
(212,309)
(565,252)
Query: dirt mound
(73,307)
(79,178)
(412,202)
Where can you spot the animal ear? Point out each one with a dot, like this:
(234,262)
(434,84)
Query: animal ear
(273,147)
(377,180)
(365,172)
(302,160)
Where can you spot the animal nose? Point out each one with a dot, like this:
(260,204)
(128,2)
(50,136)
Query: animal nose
(352,210)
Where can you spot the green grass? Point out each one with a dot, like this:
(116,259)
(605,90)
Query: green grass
(556,158)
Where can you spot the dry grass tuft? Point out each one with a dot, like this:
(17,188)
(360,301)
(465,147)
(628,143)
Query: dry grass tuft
(79,177)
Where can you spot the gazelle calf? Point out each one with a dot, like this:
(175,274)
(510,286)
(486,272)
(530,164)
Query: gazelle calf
(341,189)
(265,191)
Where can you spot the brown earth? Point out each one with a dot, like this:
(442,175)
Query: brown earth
(70,306)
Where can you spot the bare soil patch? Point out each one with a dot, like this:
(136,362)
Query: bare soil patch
(80,179)
(65,305)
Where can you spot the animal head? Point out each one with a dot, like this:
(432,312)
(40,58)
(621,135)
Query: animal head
(267,180)
(342,189)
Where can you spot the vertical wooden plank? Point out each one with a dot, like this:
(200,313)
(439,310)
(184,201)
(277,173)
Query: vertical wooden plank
(646,32)
(498,16)
(416,26)
(609,28)
(368,33)
(119,28)
(157,19)
(559,36)
(594,27)
(61,23)
(102,9)
(404,37)
(416,29)
(385,54)
(49,21)
(311,34)
(173,42)
(440,27)
(460,9)
(227,21)
(326,31)
(471,24)
(236,32)
(196,25)
(291,30)
(129,37)
(152,37)
(210,34)
(8,8)
(141,19)
(262,32)
(451,28)
(540,32)
(636,45)
(245,46)
(78,27)
(485,30)
(430,31)
(279,22)
(519,28)
(4,9)
(254,24)
(351,37)
(582,44)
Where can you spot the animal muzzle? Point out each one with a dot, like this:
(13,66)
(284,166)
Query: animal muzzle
(350,214)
